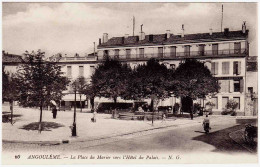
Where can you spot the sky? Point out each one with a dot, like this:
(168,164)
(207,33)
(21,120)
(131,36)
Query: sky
(70,28)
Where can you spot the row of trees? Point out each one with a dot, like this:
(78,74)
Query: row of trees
(191,80)
(38,82)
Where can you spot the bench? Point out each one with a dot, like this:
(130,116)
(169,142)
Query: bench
(132,117)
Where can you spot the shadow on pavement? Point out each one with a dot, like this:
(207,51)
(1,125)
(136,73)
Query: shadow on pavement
(221,140)
(46,126)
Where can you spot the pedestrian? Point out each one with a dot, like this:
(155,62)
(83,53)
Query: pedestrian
(163,117)
(54,112)
(94,115)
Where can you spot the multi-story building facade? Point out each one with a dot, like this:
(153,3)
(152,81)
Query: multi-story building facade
(224,53)
(74,67)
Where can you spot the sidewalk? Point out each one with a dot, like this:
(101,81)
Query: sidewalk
(105,127)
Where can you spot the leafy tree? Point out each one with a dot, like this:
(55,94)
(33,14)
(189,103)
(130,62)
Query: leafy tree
(192,79)
(40,82)
(90,93)
(150,80)
(9,89)
(109,79)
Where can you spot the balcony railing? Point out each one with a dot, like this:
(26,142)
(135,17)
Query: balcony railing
(78,59)
(206,53)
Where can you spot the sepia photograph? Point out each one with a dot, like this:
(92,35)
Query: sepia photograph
(129,83)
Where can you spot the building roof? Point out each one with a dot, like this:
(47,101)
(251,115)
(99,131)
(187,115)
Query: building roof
(156,39)
(11,58)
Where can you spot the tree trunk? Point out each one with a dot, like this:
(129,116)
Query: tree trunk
(92,101)
(11,108)
(80,103)
(40,122)
(152,102)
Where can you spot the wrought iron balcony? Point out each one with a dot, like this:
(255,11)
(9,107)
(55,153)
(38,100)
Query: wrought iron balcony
(179,55)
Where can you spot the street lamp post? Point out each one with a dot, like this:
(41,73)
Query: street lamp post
(74,129)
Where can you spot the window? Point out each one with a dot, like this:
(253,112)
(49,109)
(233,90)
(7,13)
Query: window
(224,85)
(172,66)
(92,69)
(236,86)
(116,53)
(201,50)
(173,51)
(224,102)
(105,54)
(187,50)
(68,71)
(141,52)
(215,49)
(215,102)
(237,67)
(237,99)
(81,71)
(214,68)
(251,66)
(225,67)
(160,52)
(128,53)
(250,90)
(237,47)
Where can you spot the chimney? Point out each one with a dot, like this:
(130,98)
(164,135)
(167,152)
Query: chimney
(244,27)
(99,41)
(168,34)
(226,31)
(210,31)
(151,38)
(182,35)
(142,36)
(105,37)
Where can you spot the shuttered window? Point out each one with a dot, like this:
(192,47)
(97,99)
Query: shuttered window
(141,52)
(241,82)
(201,50)
(116,53)
(237,67)
(160,52)
(187,50)
(237,99)
(105,54)
(214,68)
(81,71)
(225,67)
(92,69)
(215,49)
(224,102)
(237,47)
(68,71)
(224,85)
(215,102)
(128,53)
(173,51)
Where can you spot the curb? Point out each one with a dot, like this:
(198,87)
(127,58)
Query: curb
(231,135)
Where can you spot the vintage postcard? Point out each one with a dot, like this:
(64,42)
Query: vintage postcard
(129,83)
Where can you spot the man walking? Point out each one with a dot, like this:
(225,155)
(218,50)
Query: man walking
(54,112)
